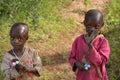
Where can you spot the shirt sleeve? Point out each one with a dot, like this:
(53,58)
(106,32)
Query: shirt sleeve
(97,57)
(37,63)
(72,55)
(8,72)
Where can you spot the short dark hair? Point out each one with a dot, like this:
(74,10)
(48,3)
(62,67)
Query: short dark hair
(15,25)
(94,13)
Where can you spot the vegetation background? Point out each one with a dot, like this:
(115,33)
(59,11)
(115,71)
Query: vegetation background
(54,24)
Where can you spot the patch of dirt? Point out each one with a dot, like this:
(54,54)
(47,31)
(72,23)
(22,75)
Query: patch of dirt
(77,8)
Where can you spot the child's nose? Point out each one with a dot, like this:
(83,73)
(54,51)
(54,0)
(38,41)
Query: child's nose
(16,40)
(92,29)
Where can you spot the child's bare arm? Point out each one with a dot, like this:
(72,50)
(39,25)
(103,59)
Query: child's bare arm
(19,67)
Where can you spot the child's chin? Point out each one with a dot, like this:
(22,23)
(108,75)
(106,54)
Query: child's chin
(17,47)
(89,33)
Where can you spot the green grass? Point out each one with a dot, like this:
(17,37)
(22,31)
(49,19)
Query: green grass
(113,65)
(42,16)
(112,15)
(112,28)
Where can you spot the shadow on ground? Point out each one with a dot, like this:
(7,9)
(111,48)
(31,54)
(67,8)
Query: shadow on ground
(56,59)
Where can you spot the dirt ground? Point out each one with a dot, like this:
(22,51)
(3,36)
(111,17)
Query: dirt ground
(77,8)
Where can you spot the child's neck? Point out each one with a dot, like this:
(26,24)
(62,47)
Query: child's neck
(19,52)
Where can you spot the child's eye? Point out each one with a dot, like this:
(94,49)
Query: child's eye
(88,27)
(11,38)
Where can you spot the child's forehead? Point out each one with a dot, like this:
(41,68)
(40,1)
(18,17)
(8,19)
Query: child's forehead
(19,30)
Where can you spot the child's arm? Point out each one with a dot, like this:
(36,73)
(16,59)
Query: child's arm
(72,58)
(19,67)
(97,57)
(37,65)
(8,71)
(72,55)
(34,71)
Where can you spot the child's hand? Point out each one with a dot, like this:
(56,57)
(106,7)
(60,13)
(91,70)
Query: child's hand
(87,39)
(20,67)
(14,62)
(94,34)
(80,65)
(33,70)
(90,38)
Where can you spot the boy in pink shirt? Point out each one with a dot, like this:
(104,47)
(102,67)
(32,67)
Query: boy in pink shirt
(90,52)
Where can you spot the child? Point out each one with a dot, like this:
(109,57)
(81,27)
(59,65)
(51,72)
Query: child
(20,63)
(90,51)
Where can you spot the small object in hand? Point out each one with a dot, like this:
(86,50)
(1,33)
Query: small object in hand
(15,62)
(87,66)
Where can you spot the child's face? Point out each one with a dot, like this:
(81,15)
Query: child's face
(91,26)
(18,37)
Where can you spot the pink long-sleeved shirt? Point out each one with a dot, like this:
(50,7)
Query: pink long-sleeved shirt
(98,56)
